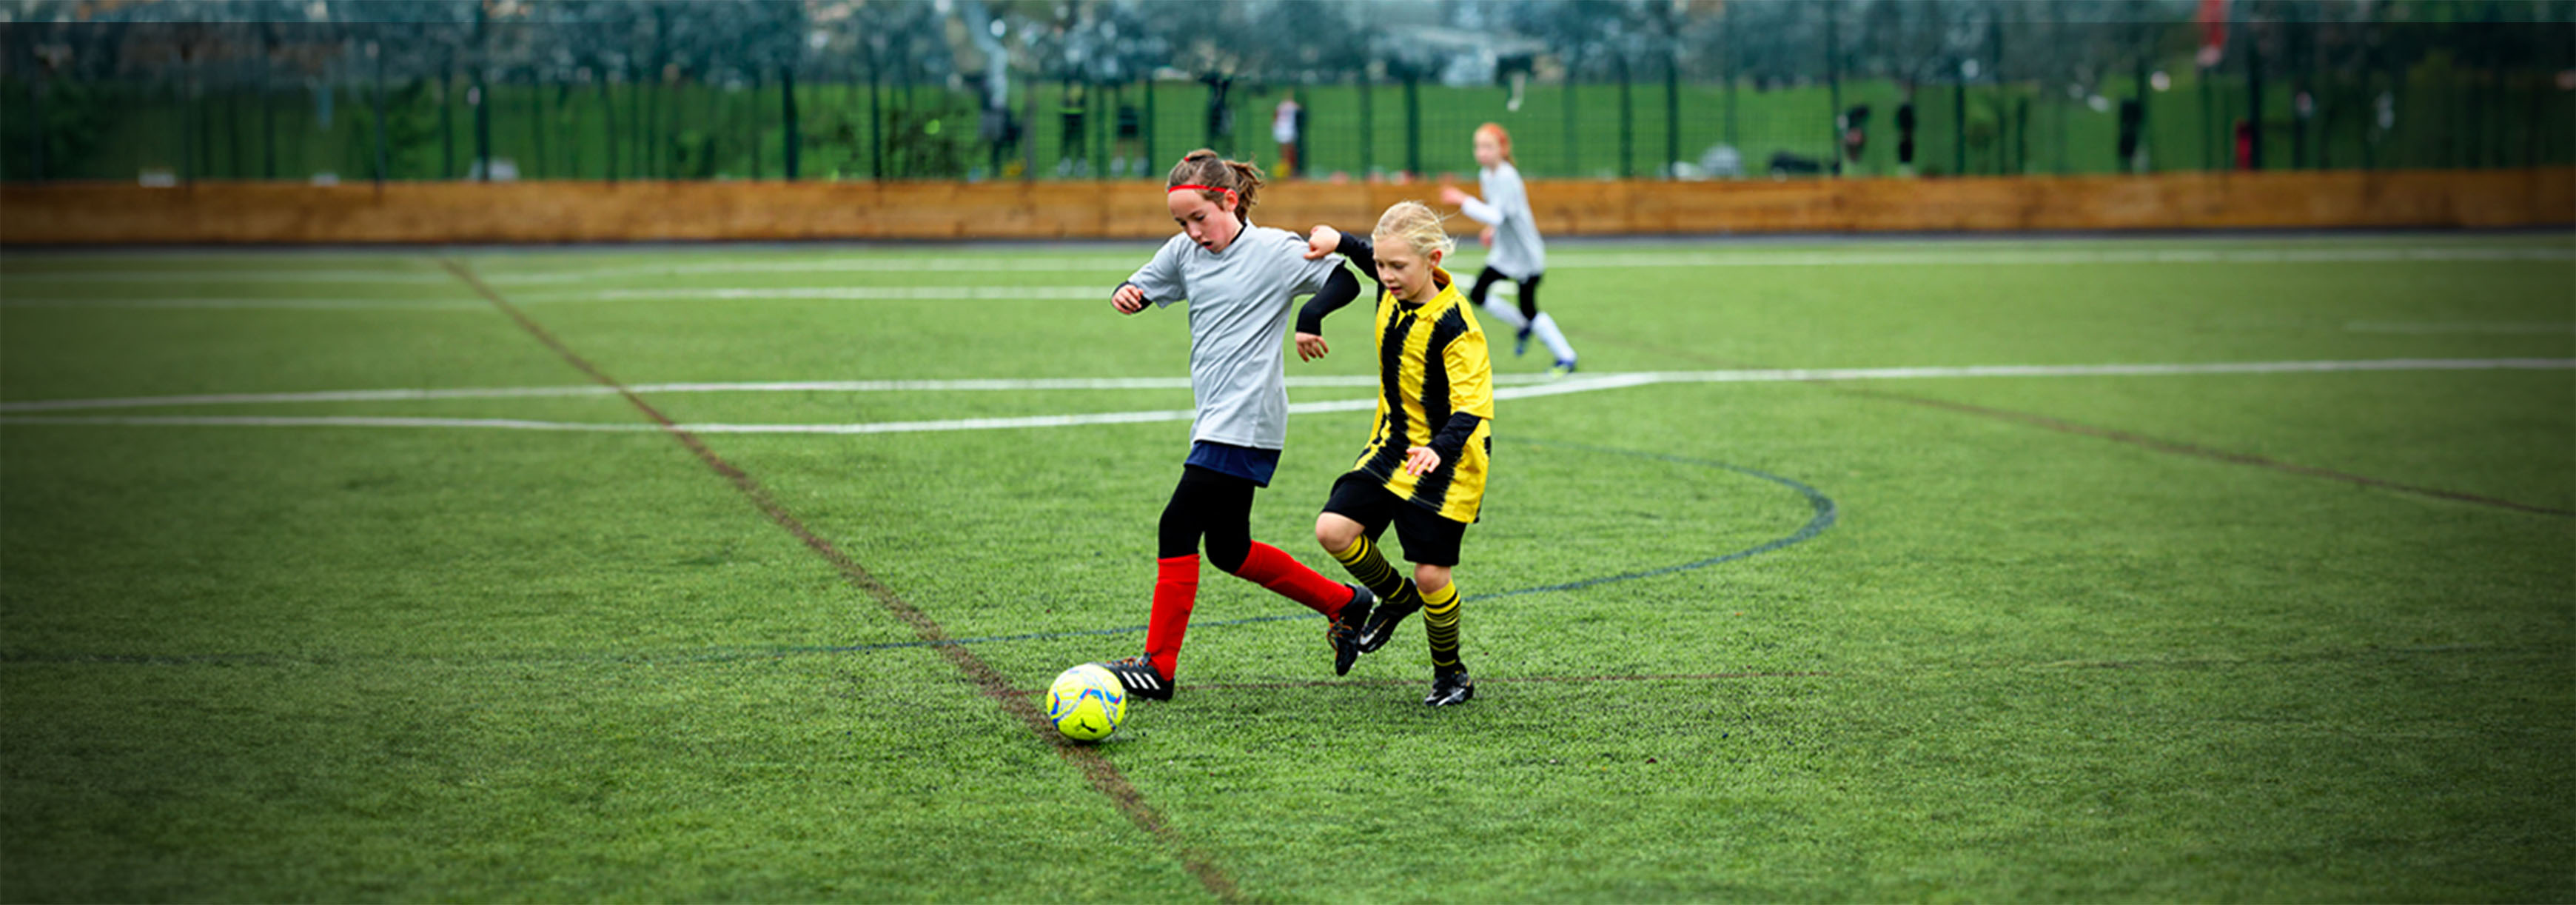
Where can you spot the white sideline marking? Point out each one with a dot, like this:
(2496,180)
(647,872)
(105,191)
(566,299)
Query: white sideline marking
(1115,263)
(2458,327)
(829,293)
(1978,257)
(333,421)
(229,275)
(592,389)
(1581,384)
(712,293)
(1528,391)
(2071,256)
(244,303)
(829,265)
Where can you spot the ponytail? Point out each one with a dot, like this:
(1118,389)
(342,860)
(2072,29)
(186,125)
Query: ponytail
(1217,177)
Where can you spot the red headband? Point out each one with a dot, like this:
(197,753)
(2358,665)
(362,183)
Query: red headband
(1203,188)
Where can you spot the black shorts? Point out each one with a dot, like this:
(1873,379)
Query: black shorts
(1428,538)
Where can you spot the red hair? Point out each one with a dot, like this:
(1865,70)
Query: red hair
(1502,139)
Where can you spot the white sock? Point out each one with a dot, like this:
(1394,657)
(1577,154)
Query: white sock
(1507,313)
(1545,326)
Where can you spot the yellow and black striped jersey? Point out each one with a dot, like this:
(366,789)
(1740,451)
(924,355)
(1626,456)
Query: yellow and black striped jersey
(1435,389)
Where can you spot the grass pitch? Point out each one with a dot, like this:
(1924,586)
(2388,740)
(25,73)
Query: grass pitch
(480,630)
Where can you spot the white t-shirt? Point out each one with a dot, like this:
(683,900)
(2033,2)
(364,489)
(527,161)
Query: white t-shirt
(1283,127)
(1518,253)
(1240,304)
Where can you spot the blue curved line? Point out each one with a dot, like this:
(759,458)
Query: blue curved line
(1824,508)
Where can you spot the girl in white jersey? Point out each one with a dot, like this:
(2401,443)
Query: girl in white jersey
(1239,280)
(1518,254)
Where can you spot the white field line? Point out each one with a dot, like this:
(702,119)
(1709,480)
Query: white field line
(1527,391)
(1983,258)
(255,303)
(328,421)
(723,294)
(226,275)
(827,293)
(1122,264)
(1581,384)
(1970,256)
(830,265)
(800,386)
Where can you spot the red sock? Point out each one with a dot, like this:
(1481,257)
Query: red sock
(1273,568)
(1176,590)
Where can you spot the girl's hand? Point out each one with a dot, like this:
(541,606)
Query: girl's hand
(1325,240)
(1487,237)
(1128,299)
(1451,195)
(1420,460)
(1311,347)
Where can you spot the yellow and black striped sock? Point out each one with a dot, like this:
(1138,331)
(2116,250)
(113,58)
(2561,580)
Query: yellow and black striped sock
(1440,617)
(1365,563)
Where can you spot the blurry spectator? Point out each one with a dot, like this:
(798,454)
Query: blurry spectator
(1220,118)
(1905,133)
(2133,116)
(1069,157)
(1285,129)
(1130,132)
(1855,129)
(1785,164)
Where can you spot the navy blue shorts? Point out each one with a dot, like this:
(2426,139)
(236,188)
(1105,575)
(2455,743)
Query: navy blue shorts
(1255,465)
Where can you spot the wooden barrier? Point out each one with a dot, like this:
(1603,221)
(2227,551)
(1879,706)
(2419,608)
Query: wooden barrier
(545,212)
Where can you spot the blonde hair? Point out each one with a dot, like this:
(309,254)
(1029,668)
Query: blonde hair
(1219,176)
(1416,224)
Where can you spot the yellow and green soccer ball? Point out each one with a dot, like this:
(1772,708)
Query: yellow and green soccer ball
(1086,703)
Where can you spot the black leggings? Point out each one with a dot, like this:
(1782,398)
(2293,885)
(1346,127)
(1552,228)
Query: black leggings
(1529,291)
(1214,504)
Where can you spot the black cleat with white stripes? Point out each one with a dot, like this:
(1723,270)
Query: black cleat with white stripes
(1139,677)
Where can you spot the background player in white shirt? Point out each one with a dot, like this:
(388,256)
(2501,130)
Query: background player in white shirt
(1518,253)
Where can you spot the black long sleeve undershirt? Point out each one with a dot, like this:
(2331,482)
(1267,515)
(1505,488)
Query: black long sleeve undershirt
(1451,441)
(1340,288)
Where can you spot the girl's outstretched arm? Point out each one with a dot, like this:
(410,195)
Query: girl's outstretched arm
(1339,289)
(1474,207)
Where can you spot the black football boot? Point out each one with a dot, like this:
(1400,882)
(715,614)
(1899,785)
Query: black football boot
(1344,633)
(1450,688)
(1139,677)
(1382,622)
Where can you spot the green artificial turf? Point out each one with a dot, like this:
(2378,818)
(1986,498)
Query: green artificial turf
(2199,637)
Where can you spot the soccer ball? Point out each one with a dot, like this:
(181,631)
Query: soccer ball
(1086,703)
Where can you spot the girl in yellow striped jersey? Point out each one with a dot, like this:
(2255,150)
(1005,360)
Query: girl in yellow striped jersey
(1423,470)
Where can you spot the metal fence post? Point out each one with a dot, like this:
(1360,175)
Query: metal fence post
(1672,114)
(1368,125)
(2254,99)
(789,144)
(1627,124)
(1959,126)
(1834,86)
(1573,131)
(1413,124)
